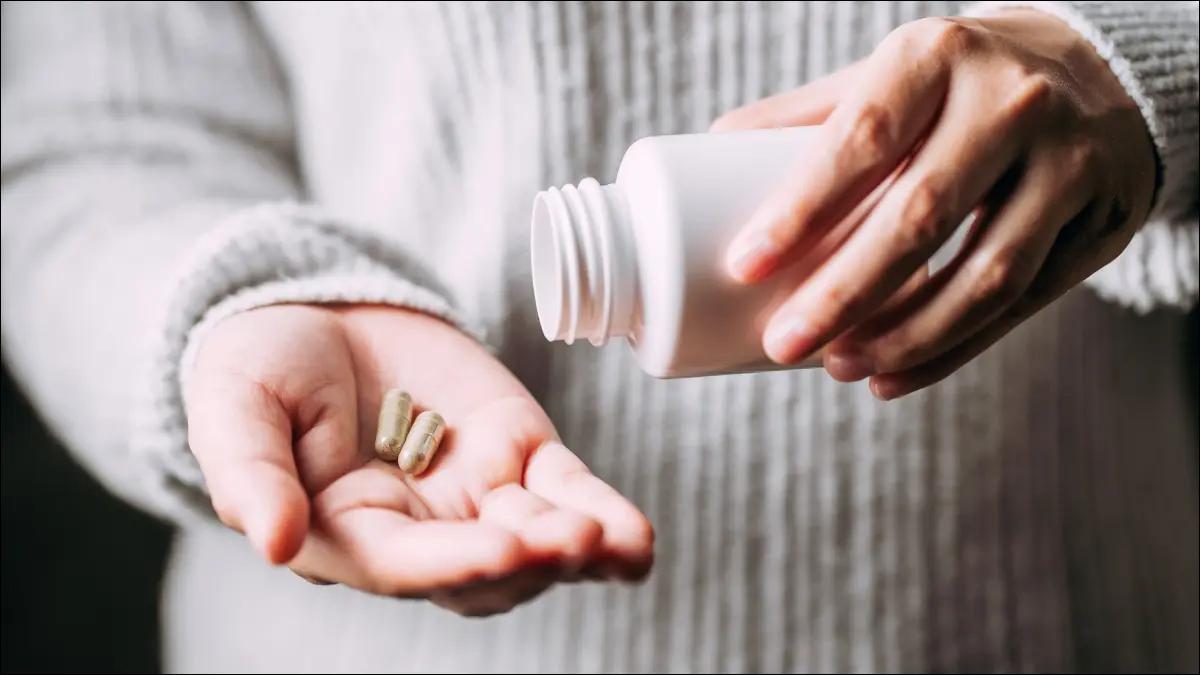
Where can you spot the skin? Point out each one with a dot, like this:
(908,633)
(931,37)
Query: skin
(1013,118)
(283,405)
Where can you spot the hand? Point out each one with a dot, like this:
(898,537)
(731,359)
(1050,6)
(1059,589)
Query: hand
(283,405)
(1013,119)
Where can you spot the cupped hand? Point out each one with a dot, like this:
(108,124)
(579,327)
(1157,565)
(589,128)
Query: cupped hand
(282,408)
(1013,119)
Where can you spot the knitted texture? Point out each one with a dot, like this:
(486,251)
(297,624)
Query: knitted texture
(167,165)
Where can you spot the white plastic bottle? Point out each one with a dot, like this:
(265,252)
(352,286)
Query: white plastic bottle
(643,258)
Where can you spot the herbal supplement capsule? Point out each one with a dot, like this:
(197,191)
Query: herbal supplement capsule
(395,417)
(422,443)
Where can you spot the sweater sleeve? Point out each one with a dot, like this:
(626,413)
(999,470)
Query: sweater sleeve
(1152,48)
(149,189)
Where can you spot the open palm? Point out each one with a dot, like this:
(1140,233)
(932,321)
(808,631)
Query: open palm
(282,408)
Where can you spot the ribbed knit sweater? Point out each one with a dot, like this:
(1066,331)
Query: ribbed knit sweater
(169,164)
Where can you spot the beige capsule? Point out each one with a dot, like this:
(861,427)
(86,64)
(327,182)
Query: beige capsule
(422,443)
(395,418)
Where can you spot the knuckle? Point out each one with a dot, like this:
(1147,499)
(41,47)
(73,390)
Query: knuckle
(939,36)
(1079,160)
(921,221)
(952,39)
(996,278)
(871,132)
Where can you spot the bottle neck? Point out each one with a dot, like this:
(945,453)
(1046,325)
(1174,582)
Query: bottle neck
(584,263)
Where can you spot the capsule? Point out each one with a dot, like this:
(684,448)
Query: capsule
(422,443)
(395,418)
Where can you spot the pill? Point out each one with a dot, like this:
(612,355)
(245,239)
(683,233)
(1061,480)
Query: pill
(422,443)
(395,417)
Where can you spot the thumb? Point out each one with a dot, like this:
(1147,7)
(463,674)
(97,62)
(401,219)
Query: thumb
(809,105)
(241,436)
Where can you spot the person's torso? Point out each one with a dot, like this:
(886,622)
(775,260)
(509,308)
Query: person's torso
(802,526)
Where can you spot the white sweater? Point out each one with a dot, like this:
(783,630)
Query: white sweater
(168,164)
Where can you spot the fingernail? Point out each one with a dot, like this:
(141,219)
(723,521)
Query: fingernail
(787,339)
(751,256)
(849,366)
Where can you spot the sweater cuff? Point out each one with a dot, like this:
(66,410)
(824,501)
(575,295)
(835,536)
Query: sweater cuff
(1152,48)
(267,255)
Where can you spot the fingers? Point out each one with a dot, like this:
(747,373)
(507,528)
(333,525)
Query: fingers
(391,554)
(1049,286)
(979,285)
(578,519)
(627,545)
(1080,240)
(559,542)
(808,105)
(373,531)
(565,538)
(861,144)
(519,546)
(908,293)
(242,439)
(951,174)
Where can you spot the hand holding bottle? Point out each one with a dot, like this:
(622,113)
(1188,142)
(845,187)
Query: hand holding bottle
(283,403)
(1013,118)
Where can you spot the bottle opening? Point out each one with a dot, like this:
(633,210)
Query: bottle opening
(548,272)
(584,277)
